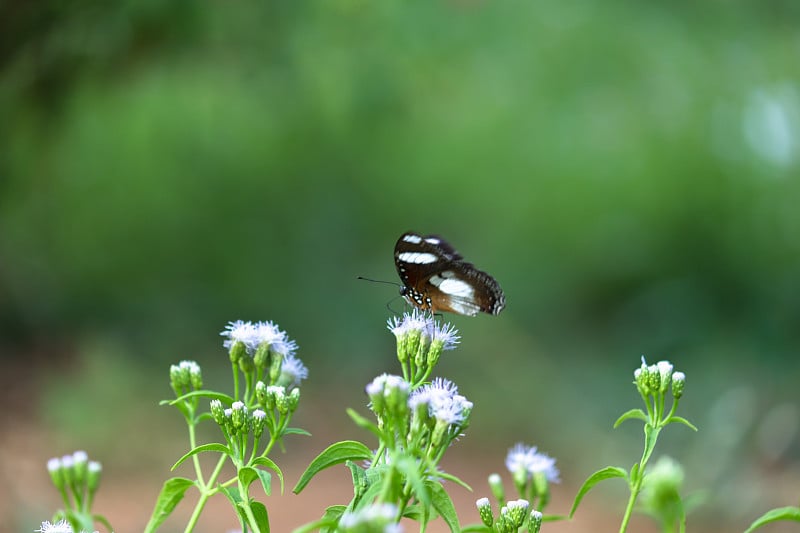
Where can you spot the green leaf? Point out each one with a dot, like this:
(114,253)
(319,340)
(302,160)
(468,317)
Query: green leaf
(232,493)
(171,494)
(211,447)
(554,517)
(360,482)
(329,520)
(633,414)
(334,454)
(103,520)
(224,398)
(681,420)
(79,521)
(476,528)
(444,505)
(269,463)
(602,474)
(650,438)
(364,423)
(774,515)
(266,481)
(261,516)
(409,468)
(634,472)
(296,431)
(414,512)
(204,416)
(247,474)
(454,479)
(374,487)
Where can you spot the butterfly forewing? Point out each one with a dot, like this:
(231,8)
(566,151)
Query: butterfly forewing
(435,278)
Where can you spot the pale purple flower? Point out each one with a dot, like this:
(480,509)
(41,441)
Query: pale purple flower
(526,458)
(293,371)
(62,526)
(252,335)
(377,515)
(444,402)
(415,320)
(54,464)
(446,334)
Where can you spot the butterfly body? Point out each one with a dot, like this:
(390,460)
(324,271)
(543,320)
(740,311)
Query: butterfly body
(436,278)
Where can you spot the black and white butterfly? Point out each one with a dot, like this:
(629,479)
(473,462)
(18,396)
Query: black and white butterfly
(436,278)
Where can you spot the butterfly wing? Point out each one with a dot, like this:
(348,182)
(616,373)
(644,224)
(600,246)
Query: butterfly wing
(435,278)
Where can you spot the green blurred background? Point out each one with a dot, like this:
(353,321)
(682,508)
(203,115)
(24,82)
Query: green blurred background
(628,171)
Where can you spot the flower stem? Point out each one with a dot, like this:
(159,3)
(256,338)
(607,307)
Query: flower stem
(205,494)
(636,487)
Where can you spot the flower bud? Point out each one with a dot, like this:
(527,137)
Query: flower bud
(259,421)
(276,361)
(55,468)
(642,377)
(238,351)
(261,357)
(503,523)
(413,338)
(375,392)
(662,486)
(275,395)
(517,512)
(175,379)
(434,352)
(283,403)
(80,460)
(520,478)
(439,434)
(678,382)
(421,355)
(496,486)
(68,468)
(402,348)
(654,378)
(195,376)
(294,400)
(246,365)
(396,394)
(541,487)
(93,472)
(261,393)
(485,510)
(238,414)
(665,375)
(535,522)
(218,412)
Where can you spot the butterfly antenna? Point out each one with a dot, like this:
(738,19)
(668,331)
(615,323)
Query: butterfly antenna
(380,281)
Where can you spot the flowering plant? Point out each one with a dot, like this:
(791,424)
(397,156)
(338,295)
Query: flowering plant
(415,419)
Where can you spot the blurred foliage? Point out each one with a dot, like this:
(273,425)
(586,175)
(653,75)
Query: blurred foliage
(628,172)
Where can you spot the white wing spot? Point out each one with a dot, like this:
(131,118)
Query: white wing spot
(464,308)
(415,239)
(436,280)
(456,287)
(417,258)
(432,240)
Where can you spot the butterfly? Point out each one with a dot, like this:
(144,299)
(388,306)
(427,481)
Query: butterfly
(436,278)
